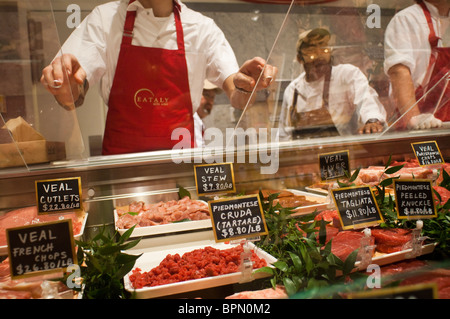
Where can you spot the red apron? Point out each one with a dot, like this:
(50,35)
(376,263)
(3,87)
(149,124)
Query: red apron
(149,97)
(439,97)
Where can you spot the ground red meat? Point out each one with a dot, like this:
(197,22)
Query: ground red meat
(199,263)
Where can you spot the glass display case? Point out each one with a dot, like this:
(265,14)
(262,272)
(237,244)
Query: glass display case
(272,145)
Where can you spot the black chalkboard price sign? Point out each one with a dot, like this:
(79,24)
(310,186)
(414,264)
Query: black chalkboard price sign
(58,195)
(40,248)
(427,153)
(414,199)
(417,291)
(237,217)
(214,178)
(357,207)
(333,165)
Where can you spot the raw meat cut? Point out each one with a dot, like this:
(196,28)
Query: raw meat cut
(373,175)
(286,198)
(23,288)
(414,271)
(270,293)
(331,216)
(196,264)
(345,242)
(392,239)
(29,215)
(444,193)
(142,215)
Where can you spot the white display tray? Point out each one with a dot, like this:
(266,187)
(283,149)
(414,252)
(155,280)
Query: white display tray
(322,202)
(165,228)
(4,249)
(317,190)
(152,259)
(383,259)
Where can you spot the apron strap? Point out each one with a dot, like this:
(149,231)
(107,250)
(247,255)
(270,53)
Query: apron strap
(432,39)
(180,34)
(326,89)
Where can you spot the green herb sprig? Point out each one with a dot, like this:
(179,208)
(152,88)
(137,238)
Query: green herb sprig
(304,262)
(104,264)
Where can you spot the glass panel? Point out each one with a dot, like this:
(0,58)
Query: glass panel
(40,129)
(271,31)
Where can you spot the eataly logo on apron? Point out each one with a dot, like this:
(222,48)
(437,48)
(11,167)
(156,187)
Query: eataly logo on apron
(145,97)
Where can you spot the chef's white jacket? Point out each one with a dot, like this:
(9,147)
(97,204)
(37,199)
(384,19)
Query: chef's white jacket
(96,43)
(406,40)
(350,96)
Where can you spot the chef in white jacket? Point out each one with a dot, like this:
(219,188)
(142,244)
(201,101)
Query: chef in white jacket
(417,57)
(325,94)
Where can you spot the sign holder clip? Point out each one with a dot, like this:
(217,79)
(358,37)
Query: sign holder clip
(416,241)
(366,250)
(246,266)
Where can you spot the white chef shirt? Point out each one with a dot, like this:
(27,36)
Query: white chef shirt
(96,44)
(406,40)
(350,94)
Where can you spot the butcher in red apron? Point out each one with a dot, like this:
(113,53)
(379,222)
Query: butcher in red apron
(150,96)
(437,101)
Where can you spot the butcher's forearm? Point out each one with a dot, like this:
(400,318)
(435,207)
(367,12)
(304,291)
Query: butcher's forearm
(403,90)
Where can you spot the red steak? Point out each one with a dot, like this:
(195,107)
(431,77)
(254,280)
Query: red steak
(391,240)
(345,242)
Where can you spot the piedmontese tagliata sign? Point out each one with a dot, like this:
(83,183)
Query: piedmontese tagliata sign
(357,207)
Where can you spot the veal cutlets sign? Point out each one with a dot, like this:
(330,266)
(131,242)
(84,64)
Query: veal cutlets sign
(237,217)
(58,195)
(333,165)
(427,153)
(357,207)
(414,199)
(40,248)
(214,178)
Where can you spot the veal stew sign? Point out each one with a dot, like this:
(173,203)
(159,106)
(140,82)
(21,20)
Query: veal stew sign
(214,178)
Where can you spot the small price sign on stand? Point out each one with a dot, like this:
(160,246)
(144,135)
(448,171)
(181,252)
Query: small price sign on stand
(214,178)
(333,165)
(41,248)
(427,153)
(237,217)
(414,199)
(59,195)
(357,207)
(417,291)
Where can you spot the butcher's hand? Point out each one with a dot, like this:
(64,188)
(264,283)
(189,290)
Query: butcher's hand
(250,72)
(424,121)
(65,79)
(372,127)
